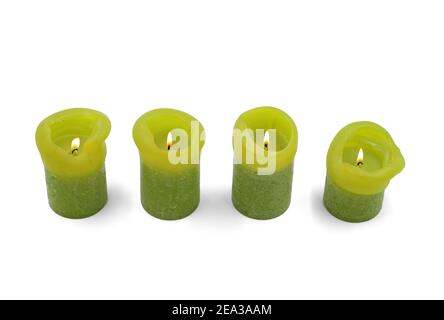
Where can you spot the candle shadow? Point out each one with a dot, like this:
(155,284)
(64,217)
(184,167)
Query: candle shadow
(216,208)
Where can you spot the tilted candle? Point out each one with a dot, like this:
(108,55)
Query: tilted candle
(361,161)
(265,142)
(169,143)
(73,150)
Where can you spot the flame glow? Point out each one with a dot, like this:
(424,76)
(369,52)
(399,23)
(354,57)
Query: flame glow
(75,145)
(360,158)
(266,139)
(169,140)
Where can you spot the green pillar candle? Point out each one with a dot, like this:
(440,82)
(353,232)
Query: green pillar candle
(73,150)
(256,194)
(361,161)
(170,189)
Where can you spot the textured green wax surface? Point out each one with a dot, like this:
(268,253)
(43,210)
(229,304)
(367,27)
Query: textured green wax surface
(261,196)
(170,196)
(77,198)
(351,207)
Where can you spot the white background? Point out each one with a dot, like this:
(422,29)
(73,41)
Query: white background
(326,63)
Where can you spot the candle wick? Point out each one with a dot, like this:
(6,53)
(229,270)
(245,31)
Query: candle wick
(360,159)
(75,145)
(266,139)
(169,141)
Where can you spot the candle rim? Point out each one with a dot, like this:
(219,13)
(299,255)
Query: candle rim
(55,157)
(367,182)
(284,156)
(144,137)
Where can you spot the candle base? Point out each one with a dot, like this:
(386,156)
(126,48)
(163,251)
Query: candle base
(77,198)
(169,196)
(261,197)
(351,207)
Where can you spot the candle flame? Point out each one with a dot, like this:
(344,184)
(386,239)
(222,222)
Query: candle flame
(169,140)
(266,139)
(360,159)
(75,145)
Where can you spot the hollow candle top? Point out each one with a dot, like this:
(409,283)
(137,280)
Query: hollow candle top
(363,158)
(267,118)
(153,136)
(72,142)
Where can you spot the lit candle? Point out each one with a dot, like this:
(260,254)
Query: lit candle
(265,141)
(72,147)
(361,161)
(169,143)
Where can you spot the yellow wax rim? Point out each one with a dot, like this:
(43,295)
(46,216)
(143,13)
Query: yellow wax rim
(152,128)
(266,118)
(372,138)
(55,133)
